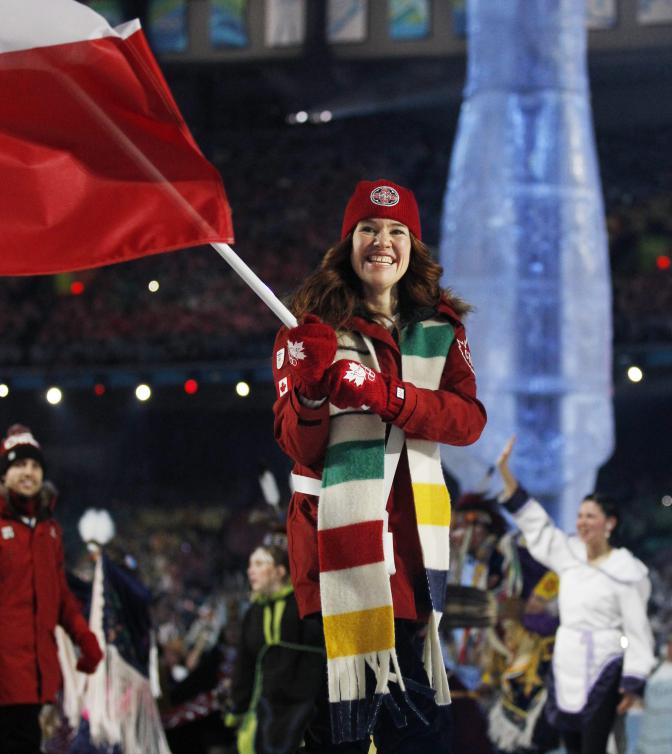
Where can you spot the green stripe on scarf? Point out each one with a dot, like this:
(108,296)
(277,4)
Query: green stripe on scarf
(427,342)
(352,460)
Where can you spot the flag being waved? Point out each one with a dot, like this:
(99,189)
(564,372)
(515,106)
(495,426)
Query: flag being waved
(96,163)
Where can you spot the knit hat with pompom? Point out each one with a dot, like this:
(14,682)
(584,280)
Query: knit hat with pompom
(19,443)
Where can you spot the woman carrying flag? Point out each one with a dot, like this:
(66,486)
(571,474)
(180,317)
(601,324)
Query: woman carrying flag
(375,376)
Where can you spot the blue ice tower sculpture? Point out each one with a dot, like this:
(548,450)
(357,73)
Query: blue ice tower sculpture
(523,239)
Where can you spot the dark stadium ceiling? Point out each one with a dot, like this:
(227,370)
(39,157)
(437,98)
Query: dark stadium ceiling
(629,88)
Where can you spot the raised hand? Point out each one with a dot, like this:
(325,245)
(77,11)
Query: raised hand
(502,463)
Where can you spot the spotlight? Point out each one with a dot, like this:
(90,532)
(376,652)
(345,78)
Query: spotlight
(99,389)
(242,389)
(143,392)
(4,390)
(76,287)
(153,286)
(302,116)
(635,374)
(190,386)
(54,396)
(325,116)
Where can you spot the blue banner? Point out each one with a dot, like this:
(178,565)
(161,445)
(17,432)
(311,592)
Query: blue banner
(168,25)
(409,19)
(460,17)
(228,23)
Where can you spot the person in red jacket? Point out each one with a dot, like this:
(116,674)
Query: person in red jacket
(34,596)
(379,368)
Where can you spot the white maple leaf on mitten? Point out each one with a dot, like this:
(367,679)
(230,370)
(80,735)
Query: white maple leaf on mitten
(295,352)
(358,373)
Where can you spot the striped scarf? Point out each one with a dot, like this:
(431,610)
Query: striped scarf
(354,583)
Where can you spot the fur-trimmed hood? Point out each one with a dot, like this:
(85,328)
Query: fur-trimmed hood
(46,498)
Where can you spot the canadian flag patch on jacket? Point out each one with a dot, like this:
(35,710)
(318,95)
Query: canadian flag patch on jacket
(283,386)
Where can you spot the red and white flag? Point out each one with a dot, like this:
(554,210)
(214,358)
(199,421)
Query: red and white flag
(96,163)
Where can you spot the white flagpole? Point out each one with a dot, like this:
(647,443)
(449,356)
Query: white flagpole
(256,284)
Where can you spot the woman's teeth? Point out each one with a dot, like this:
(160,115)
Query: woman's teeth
(380,259)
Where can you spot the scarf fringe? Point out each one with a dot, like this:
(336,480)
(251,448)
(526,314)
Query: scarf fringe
(116,699)
(73,681)
(432,658)
(119,704)
(349,720)
(353,714)
(355,719)
(347,675)
(349,706)
(506,734)
(128,715)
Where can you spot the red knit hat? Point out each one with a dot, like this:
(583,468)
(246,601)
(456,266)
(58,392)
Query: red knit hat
(385,199)
(19,444)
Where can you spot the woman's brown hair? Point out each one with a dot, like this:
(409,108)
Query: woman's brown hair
(334,292)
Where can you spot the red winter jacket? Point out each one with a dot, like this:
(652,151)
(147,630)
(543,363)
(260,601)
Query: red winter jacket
(34,598)
(452,415)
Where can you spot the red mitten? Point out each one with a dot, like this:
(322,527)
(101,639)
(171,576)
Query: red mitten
(310,350)
(91,653)
(353,385)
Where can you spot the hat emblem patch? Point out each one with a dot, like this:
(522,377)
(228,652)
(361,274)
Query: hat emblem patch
(384,196)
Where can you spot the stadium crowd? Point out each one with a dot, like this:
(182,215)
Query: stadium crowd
(203,311)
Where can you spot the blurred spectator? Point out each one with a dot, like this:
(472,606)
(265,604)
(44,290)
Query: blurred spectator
(280,662)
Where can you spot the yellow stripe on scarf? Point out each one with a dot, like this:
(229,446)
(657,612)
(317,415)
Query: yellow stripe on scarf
(360,632)
(432,504)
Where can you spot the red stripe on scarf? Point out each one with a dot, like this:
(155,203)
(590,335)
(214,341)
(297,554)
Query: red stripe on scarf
(350,546)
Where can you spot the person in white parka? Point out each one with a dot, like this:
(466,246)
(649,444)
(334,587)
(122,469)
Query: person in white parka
(604,644)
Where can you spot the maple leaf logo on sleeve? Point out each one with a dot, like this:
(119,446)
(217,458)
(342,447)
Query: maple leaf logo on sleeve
(466,353)
(295,352)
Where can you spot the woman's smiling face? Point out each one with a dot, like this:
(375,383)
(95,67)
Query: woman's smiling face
(592,525)
(381,251)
